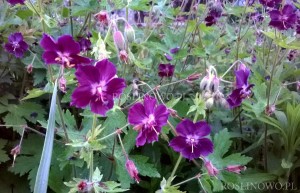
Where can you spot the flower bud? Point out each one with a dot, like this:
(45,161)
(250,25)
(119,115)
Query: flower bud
(29,68)
(62,84)
(193,77)
(227,50)
(168,57)
(298,86)
(123,56)
(235,168)
(209,103)
(15,152)
(212,171)
(132,170)
(129,33)
(207,95)
(270,109)
(102,17)
(204,83)
(214,84)
(174,50)
(119,40)
(82,186)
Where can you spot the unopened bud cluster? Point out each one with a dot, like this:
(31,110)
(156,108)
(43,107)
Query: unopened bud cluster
(210,86)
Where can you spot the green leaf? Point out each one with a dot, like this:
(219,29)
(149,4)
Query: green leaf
(144,168)
(236,159)
(3,156)
(109,186)
(97,176)
(172,189)
(42,176)
(257,178)
(222,142)
(34,93)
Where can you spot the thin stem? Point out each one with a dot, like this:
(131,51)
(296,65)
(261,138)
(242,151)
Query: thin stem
(122,146)
(92,151)
(174,170)
(190,179)
(113,133)
(70,17)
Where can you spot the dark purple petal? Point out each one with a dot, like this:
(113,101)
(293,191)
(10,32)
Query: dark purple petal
(9,48)
(274,14)
(48,43)
(168,57)
(149,103)
(87,75)
(206,146)
(152,135)
(67,45)
(19,53)
(235,99)
(242,77)
(76,59)
(49,57)
(115,87)
(23,45)
(202,129)
(100,107)
(178,143)
(185,127)
(136,114)
(191,153)
(161,115)
(141,139)
(15,37)
(14,2)
(107,70)
(288,10)
(81,96)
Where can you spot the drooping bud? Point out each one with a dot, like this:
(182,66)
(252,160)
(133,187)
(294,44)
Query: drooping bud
(235,168)
(214,84)
(253,58)
(102,17)
(223,103)
(242,66)
(207,95)
(212,171)
(82,186)
(270,109)
(193,77)
(298,85)
(119,40)
(132,170)
(123,56)
(62,84)
(174,50)
(15,152)
(129,32)
(29,68)
(204,83)
(227,50)
(168,57)
(209,103)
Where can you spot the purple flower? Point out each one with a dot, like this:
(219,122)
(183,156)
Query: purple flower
(243,88)
(174,50)
(270,3)
(210,20)
(14,2)
(166,70)
(64,51)
(148,119)
(191,141)
(168,57)
(283,19)
(16,45)
(85,44)
(214,13)
(98,86)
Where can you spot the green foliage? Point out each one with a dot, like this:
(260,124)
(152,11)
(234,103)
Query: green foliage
(3,155)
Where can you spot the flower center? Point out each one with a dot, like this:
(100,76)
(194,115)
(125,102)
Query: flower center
(192,140)
(16,45)
(100,92)
(150,121)
(64,59)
